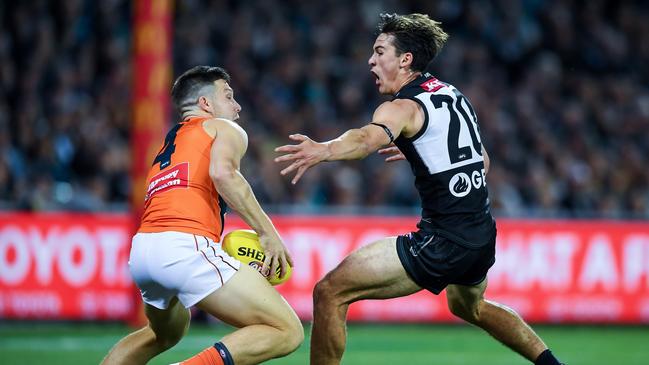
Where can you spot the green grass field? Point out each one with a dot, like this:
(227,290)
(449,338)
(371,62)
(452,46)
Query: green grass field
(81,343)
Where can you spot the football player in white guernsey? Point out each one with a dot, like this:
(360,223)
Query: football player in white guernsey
(433,126)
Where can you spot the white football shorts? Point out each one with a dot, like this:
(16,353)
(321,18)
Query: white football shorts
(168,264)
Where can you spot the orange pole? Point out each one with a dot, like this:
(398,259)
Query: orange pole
(151,72)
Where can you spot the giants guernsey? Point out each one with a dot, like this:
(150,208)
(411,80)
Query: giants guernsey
(180,193)
(446,158)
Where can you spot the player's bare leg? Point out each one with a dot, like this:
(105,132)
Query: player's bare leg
(501,322)
(164,330)
(371,272)
(268,327)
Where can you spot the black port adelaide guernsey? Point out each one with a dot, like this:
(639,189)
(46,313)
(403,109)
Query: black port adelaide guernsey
(446,158)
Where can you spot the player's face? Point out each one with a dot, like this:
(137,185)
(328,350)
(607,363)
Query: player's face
(224,104)
(384,64)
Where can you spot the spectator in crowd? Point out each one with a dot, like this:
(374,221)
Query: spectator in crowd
(560,88)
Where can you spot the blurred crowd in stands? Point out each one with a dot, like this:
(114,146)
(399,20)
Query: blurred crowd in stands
(561,90)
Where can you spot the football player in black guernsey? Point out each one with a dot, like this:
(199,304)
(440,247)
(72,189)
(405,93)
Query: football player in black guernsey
(432,125)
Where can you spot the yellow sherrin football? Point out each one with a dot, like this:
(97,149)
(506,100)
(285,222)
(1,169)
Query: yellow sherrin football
(243,245)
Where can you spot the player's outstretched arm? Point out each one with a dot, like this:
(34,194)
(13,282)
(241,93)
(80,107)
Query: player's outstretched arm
(227,150)
(388,121)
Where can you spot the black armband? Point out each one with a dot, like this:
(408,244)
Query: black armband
(387,131)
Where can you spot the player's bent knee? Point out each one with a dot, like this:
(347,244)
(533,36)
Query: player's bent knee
(469,312)
(293,336)
(458,310)
(166,343)
(169,337)
(297,334)
(167,340)
(289,337)
(291,333)
(324,292)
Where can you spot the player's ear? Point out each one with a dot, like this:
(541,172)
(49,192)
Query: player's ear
(406,60)
(204,103)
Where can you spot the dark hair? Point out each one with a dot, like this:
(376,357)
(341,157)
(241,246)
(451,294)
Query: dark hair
(184,92)
(414,33)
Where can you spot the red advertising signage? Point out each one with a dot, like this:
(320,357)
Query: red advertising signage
(75,266)
(63,266)
(549,271)
(567,271)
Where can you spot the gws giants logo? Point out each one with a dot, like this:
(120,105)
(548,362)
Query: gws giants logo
(460,184)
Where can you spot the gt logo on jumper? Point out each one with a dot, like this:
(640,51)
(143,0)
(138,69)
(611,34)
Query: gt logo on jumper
(461,184)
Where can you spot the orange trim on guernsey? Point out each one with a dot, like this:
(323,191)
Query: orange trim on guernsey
(181,195)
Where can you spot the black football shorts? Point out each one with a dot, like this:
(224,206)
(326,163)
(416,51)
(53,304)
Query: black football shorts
(433,261)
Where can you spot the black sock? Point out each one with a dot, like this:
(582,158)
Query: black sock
(546,358)
(225,354)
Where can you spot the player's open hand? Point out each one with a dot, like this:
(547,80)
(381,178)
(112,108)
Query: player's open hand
(276,255)
(393,153)
(304,155)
